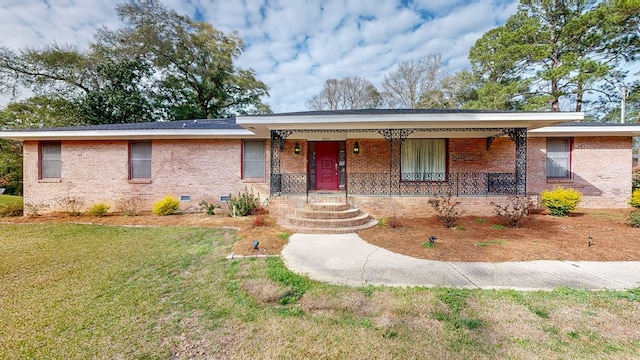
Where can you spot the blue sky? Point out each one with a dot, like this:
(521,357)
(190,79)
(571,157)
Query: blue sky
(293,45)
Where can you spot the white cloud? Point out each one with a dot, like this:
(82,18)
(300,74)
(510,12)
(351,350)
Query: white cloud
(293,46)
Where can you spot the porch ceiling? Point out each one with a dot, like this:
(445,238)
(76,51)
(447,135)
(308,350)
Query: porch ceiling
(354,120)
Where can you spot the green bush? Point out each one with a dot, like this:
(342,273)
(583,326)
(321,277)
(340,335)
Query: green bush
(166,206)
(99,209)
(14,208)
(244,204)
(634,218)
(209,209)
(561,201)
(635,199)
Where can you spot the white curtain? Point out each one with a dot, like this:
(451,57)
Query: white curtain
(424,159)
(558,158)
(51,160)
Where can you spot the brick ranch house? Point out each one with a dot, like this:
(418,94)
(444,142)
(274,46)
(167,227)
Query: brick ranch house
(380,161)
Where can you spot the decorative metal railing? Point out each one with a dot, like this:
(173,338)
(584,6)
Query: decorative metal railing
(440,184)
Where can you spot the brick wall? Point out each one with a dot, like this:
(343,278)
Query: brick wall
(601,170)
(97,171)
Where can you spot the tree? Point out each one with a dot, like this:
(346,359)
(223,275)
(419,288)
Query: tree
(352,92)
(415,83)
(194,62)
(552,53)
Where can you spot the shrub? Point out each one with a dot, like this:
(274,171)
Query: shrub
(166,206)
(244,204)
(561,201)
(129,206)
(395,222)
(514,212)
(259,221)
(70,204)
(209,209)
(34,209)
(634,218)
(635,199)
(446,211)
(99,209)
(13,208)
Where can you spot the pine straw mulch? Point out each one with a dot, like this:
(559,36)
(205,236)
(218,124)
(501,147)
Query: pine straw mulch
(542,237)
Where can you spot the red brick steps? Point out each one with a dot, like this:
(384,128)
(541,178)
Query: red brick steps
(328,218)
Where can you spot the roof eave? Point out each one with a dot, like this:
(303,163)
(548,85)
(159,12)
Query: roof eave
(128,134)
(586,130)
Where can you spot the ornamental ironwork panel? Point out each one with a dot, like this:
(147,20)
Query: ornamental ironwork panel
(294,183)
(519,136)
(368,183)
(501,183)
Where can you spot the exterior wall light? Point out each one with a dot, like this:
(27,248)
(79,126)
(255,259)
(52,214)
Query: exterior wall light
(356,148)
(296,149)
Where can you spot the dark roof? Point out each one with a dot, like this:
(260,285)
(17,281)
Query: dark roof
(206,124)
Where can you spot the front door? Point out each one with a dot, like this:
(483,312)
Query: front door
(327,165)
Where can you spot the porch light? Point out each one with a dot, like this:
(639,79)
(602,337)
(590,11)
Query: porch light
(356,148)
(296,149)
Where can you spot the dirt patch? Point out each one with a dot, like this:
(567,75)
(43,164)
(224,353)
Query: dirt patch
(542,237)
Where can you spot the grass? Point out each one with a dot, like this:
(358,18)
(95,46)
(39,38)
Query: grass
(499,227)
(6,199)
(89,291)
(491,242)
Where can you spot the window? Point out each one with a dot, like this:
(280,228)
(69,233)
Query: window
(50,163)
(140,160)
(559,158)
(253,159)
(424,160)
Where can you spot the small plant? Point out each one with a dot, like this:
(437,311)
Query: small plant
(129,206)
(244,204)
(446,211)
(70,204)
(635,199)
(514,212)
(490,242)
(460,227)
(166,206)
(209,209)
(428,245)
(34,209)
(481,221)
(395,222)
(561,201)
(259,221)
(634,219)
(499,227)
(383,221)
(11,209)
(99,209)
(284,236)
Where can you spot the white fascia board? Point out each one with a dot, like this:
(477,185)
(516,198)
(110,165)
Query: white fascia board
(559,131)
(128,134)
(435,120)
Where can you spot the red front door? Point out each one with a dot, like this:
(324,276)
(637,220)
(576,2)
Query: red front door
(327,165)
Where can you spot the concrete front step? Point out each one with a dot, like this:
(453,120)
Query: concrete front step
(342,230)
(310,213)
(357,220)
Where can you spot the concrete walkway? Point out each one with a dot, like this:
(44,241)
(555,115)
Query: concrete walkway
(348,260)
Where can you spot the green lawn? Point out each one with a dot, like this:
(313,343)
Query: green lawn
(5,199)
(87,291)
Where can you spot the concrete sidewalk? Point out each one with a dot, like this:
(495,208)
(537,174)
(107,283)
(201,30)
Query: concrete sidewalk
(349,260)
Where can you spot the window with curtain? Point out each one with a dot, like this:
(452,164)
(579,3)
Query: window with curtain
(140,160)
(559,158)
(50,160)
(424,160)
(253,159)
